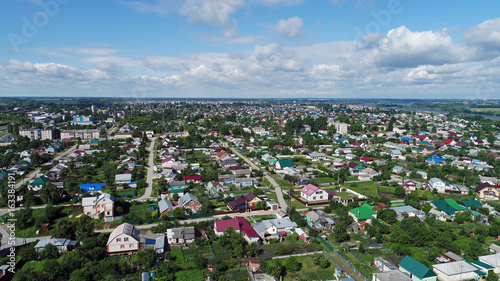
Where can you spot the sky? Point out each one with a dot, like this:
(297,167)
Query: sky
(447,49)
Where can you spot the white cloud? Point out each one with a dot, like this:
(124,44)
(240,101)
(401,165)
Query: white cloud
(486,35)
(291,28)
(402,47)
(211,12)
(273,57)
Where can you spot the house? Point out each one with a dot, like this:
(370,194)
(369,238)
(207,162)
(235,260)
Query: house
(181,235)
(448,206)
(396,154)
(313,194)
(449,257)
(437,184)
(243,182)
(93,206)
(317,156)
(366,160)
(319,220)
(92,188)
(458,270)
(383,265)
(165,207)
(365,212)
(416,270)
(273,227)
(411,185)
(125,238)
(193,179)
(241,225)
(302,235)
(61,244)
(367,174)
(189,201)
(492,260)
(38,183)
(249,200)
(123,178)
(392,275)
(281,164)
(178,185)
(488,191)
(398,170)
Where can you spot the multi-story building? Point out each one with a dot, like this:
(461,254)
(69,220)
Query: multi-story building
(37,134)
(83,134)
(82,120)
(93,206)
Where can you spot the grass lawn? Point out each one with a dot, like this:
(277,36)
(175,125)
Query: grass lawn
(189,275)
(361,262)
(319,180)
(368,188)
(309,271)
(138,210)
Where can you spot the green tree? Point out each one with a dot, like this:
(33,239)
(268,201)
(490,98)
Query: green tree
(179,213)
(146,258)
(64,229)
(84,228)
(492,276)
(49,252)
(49,194)
(291,264)
(261,205)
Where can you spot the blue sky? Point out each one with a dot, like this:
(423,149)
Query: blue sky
(250,48)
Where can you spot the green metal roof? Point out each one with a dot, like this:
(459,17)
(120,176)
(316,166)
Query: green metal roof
(364,212)
(286,163)
(448,206)
(482,265)
(414,267)
(469,203)
(39,181)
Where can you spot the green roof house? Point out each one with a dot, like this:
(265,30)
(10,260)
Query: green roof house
(470,203)
(280,165)
(448,206)
(37,184)
(416,270)
(363,213)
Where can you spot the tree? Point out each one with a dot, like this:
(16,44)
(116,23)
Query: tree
(291,264)
(400,191)
(49,252)
(179,213)
(261,205)
(24,217)
(49,194)
(146,258)
(84,228)
(200,262)
(387,215)
(64,229)
(492,276)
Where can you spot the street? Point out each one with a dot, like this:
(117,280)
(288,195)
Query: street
(149,179)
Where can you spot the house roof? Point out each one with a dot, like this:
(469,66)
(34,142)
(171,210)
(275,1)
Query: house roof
(449,206)
(186,198)
(453,268)
(242,200)
(92,186)
(286,163)
(57,242)
(364,212)
(125,228)
(469,203)
(165,204)
(416,268)
(309,189)
(197,177)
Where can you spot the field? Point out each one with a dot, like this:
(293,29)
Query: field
(189,275)
(321,180)
(285,248)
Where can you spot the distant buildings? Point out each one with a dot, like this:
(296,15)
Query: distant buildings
(83,134)
(37,134)
(82,120)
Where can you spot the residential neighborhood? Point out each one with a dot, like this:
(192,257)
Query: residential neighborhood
(249,190)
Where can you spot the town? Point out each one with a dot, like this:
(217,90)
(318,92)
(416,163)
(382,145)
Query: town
(243,189)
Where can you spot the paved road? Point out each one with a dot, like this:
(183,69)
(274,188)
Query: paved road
(277,187)
(149,179)
(148,226)
(37,171)
(19,241)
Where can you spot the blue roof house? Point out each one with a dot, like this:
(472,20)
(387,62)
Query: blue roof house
(92,188)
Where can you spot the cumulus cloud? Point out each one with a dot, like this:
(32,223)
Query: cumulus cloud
(291,28)
(273,57)
(211,12)
(402,47)
(486,35)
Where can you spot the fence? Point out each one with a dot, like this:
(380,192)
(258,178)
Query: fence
(337,265)
(350,265)
(297,255)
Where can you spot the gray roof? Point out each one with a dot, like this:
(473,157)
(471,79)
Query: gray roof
(404,209)
(186,233)
(457,267)
(165,204)
(393,275)
(313,216)
(125,228)
(186,198)
(57,242)
(123,177)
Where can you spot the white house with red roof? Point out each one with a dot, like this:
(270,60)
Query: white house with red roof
(313,194)
(241,225)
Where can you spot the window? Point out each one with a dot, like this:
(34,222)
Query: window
(125,239)
(131,245)
(321,197)
(122,246)
(314,197)
(118,239)
(191,203)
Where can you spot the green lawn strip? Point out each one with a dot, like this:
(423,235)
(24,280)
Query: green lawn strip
(310,271)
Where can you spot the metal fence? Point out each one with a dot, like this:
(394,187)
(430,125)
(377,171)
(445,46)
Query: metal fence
(335,252)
